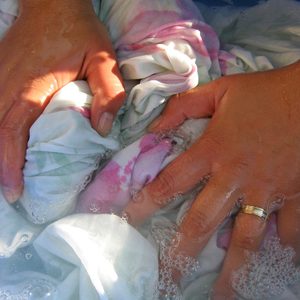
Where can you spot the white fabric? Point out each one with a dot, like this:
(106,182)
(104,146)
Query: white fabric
(87,257)
(80,256)
(270,29)
(63,151)
(10,6)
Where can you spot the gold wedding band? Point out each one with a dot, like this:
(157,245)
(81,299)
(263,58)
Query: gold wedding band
(254,210)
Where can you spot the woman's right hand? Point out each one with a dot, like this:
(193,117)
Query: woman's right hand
(52,43)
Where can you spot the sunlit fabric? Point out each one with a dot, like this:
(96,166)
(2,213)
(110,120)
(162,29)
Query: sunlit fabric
(163,47)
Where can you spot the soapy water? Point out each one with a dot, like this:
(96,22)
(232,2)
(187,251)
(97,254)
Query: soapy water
(39,211)
(266,273)
(263,276)
(33,289)
(170,261)
(101,160)
(176,198)
(180,140)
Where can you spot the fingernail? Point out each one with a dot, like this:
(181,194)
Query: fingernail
(105,123)
(11,195)
(155,124)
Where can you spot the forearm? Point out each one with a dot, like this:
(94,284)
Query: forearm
(56,6)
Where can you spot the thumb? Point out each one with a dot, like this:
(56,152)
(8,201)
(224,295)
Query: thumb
(106,85)
(199,102)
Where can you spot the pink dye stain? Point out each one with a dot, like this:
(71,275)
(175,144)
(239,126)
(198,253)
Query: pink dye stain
(129,166)
(85,112)
(102,192)
(123,179)
(145,25)
(111,189)
(147,142)
(149,164)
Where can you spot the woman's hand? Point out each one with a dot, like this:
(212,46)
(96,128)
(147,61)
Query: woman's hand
(251,152)
(52,43)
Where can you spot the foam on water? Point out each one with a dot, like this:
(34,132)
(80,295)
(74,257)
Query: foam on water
(267,272)
(34,289)
(171,261)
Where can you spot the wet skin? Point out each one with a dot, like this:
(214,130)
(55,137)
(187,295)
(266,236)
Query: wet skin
(250,149)
(251,152)
(52,43)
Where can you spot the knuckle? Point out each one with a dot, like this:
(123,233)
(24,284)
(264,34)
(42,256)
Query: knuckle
(240,164)
(201,223)
(37,85)
(7,133)
(244,242)
(12,139)
(14,128)
(183,161)
(246,233)
(164,185)
(211,142)
(237,168)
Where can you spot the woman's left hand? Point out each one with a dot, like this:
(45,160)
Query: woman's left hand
(250,150)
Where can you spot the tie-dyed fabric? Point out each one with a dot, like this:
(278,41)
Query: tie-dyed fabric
(163,48)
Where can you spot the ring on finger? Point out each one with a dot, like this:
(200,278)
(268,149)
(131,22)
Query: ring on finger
(255,210)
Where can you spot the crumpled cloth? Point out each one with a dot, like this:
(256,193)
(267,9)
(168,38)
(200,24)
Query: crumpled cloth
(169,48)
(8,14)
(84,258)
(125,174)
(162,48)
(61,157)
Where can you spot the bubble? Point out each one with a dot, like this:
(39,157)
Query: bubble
(25,238)
(180,139)
(34,289)
(106,155)
(86,180)
(94,208)
(134,196)
(205,179)
(5,295)
(178,197)
(125,217)
(38,215)
(100,160)
(267,272)
(171,261)
(37,218)
(28,256)
(39,292)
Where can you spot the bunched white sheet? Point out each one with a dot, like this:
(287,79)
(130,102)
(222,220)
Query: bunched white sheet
(163,47)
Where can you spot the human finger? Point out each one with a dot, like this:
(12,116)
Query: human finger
(288,225)
(248,233)
(196,103)
(172,181)
(215,202)
(106,84)
(14,132)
